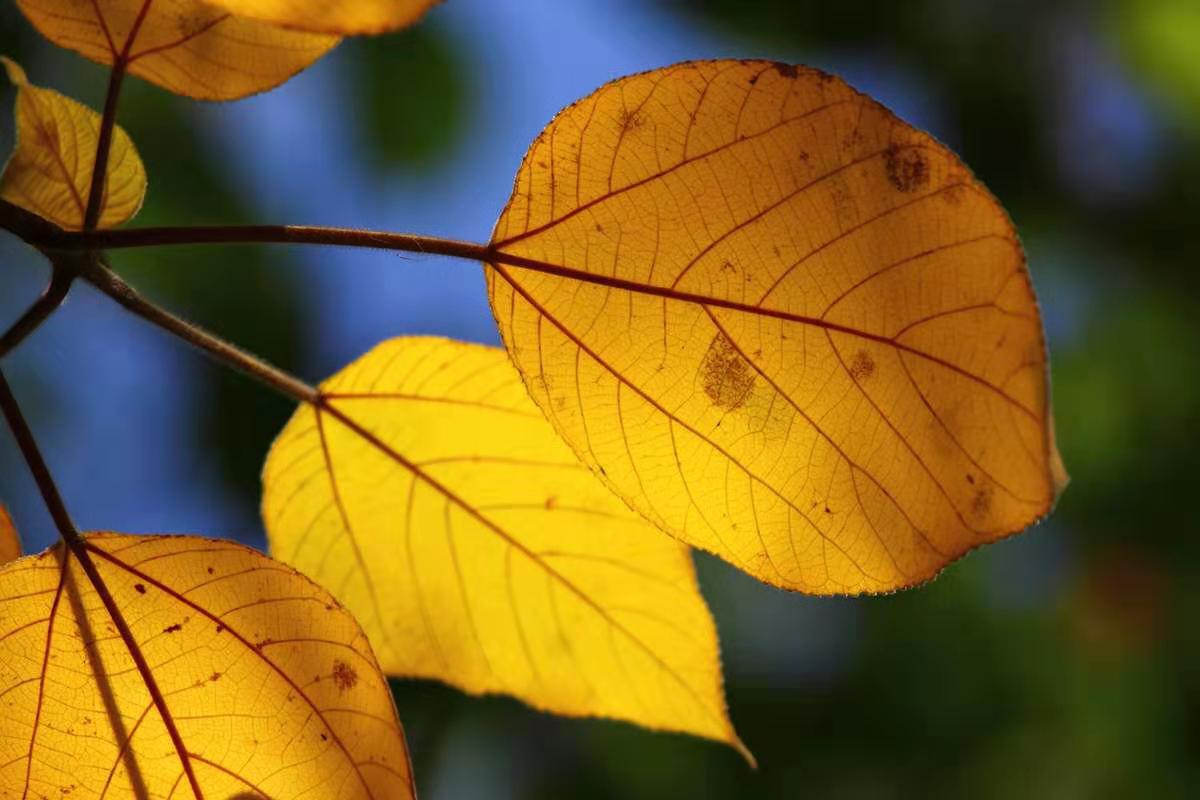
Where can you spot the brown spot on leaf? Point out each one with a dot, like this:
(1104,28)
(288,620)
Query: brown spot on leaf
(726,376)
(630,120)
(344,675)
(173,628)
(907,168)
(139,588)
(981,504)
(786,70)
(862,367)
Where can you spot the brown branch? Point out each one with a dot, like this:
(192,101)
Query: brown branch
(108,123)
(53,297)
(263,234)
(37,465)
(108,282)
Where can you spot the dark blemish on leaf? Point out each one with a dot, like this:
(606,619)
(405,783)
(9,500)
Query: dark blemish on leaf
(344,675)
(259,645)
(981,504)
(907,168)
(954,195)
(139,588)
(753,79)
(726,376)
(970,479)
(173,628)
(220,627)
(862,367)
(324,737)
(630,120)
(216,676)
(828,510)
(786,70)
(210,570)
(551,502)
(190,25)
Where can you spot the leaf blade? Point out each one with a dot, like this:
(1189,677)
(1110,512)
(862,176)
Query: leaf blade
(760,274)
(50,170)
(197,610)
(343,19)
(508,567)
(10,542)
(185,46)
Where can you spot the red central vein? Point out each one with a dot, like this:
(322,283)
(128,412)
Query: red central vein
(184,754)
(515,544)
(37,715)
(496,258)
(81,551)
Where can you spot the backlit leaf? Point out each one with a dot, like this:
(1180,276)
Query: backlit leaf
(436,502)
(50,171)
(10,543)
(323,16)
(269,687)
(186,46)
(783,324)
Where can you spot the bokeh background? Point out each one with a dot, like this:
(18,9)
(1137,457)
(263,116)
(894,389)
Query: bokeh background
(1062,663)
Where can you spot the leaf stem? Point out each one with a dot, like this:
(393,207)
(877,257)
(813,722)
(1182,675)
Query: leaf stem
(108,282)
(104,142)
(49,301)
(266,234)
(37,465)
(79,548)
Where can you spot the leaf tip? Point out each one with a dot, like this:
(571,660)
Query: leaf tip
(16,75)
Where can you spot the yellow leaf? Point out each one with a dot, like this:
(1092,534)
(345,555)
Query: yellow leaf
(50,171)
(222,673)
(435,501)
(186,46)
(10,543)
(322,16)
(783,324)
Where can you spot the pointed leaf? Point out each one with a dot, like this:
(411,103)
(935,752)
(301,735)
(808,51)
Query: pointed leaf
(10,542)
(435,501)
(50,171)
(269,688)
(186,46)
(322,16)
(783,324)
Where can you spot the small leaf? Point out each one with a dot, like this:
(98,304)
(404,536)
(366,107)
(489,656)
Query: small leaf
(781,323)
(10,542)
(50,171)
(269,687)
(433,498)
(322,16)
(186,46)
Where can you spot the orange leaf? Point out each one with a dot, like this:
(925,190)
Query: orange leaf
(186,46)
(50,172)
(437,502)
(781,323)
(322,16)
(187,667)
(10,542)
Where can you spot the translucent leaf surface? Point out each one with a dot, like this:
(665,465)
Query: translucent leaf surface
(10,543)
(259,684)
(783,324)
(186,46)
(50,170)
(436,502)
(322,16)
